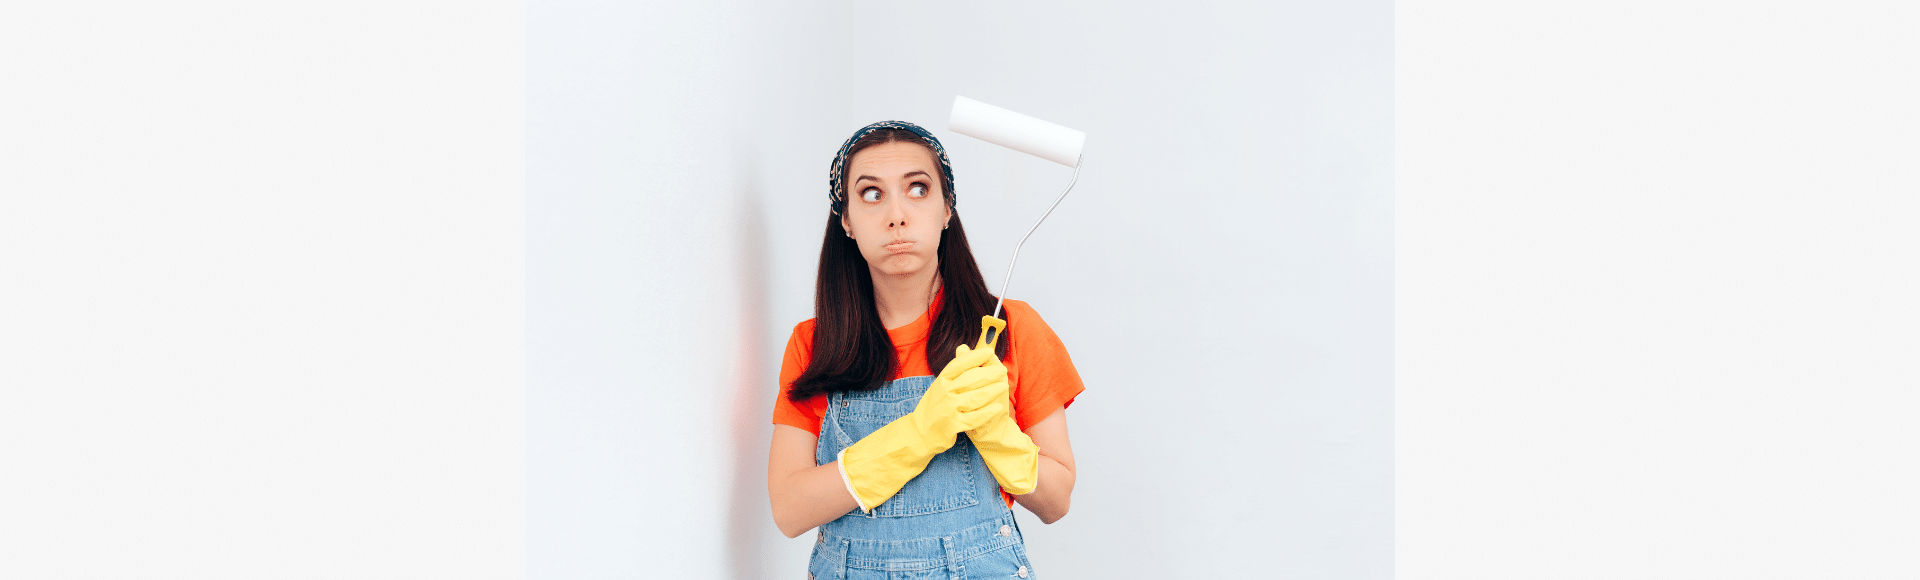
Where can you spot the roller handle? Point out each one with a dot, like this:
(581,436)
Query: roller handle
(990,330)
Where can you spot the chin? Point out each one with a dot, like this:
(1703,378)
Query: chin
(902,265)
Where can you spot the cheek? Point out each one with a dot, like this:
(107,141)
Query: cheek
(859,227)
(935,215)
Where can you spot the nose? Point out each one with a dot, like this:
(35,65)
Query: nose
(896,212)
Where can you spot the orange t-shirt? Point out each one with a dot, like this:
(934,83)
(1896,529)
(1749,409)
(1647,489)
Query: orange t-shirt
(1041,378)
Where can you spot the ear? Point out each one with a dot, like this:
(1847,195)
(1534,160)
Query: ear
(843,225)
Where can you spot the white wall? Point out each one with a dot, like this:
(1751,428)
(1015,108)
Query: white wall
(1659,300)
(650,243)
(1222,273)
(261,290)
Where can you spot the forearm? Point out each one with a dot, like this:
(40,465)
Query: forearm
(804,499)
(804,495)
(1053,495)
(1053,488)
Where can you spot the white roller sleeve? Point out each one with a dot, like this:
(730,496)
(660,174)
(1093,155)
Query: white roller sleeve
(1016,131)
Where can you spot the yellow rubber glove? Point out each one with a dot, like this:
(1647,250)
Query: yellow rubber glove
(1010,454)
(966,395)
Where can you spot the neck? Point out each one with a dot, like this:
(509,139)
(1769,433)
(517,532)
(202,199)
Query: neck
(902,299)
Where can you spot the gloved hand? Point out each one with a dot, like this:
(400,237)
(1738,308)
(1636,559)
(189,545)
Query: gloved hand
(1010,454)
(966,395)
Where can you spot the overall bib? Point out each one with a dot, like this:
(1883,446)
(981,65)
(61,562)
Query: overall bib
(947,523)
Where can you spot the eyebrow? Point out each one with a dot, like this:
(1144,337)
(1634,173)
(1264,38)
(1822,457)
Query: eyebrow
(909,174)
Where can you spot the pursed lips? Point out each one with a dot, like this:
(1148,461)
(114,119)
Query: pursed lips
(899,247)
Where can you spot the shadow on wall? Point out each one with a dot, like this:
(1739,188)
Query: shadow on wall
(749,519)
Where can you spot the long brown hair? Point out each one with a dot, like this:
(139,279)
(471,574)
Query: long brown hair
(851,349)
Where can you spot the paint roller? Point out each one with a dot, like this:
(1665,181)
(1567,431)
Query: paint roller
(1026,135)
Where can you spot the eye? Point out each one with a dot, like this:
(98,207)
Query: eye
(871,194)
(917,190)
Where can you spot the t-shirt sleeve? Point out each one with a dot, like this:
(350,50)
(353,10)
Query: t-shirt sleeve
(1044,378)
(799,353)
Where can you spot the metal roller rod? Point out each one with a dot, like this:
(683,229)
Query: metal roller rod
(1023,239)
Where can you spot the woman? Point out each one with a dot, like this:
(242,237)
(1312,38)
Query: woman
(888,459)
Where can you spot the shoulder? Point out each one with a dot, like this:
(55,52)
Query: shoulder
(1032,336)
(1023,321)
(804,329)
(801,340)
(803,332)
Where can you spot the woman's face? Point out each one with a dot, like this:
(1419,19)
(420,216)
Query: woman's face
(895,208)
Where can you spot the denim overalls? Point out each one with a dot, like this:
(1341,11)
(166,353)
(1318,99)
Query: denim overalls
(947,523)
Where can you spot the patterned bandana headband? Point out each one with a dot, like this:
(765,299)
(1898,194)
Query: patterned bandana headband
(836,194)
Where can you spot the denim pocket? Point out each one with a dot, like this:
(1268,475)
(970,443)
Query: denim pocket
(946,484)
(880,412)
(827,562)
(1006,563)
